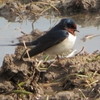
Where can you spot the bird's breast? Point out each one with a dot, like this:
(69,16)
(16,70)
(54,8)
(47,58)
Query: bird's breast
(62,47)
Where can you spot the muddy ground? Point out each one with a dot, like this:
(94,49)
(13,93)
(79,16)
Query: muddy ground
(74,78)
(32,9)
(38,78)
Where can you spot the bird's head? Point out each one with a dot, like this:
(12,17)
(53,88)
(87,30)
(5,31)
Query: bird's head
(69,25)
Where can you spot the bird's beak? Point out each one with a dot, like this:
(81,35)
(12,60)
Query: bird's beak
(71,30)
(77,30)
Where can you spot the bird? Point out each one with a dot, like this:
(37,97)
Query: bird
(56,41)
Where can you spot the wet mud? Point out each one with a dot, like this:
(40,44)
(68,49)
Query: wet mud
(32,9)
(71,78)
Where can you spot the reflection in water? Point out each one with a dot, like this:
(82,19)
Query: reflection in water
(87,25)
(89,37)
(87,20)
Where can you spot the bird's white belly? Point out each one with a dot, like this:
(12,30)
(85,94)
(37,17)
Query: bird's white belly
(62,47)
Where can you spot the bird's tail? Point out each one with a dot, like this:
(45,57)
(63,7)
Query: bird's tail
(18,44)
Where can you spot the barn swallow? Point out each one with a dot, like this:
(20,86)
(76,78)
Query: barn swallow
(58,40)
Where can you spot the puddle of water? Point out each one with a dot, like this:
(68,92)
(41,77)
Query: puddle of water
(10,31)
(90,44)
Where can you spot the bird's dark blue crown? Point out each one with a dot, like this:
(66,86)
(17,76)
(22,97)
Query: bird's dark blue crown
(68,23)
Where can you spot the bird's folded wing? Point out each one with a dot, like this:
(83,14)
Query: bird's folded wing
(47,41)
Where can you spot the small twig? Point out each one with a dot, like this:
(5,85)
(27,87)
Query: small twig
(94,82)
(38,66)
(82,94)
(55,8)
(89,37)
(26,50)
(46,58)
(6,26)
(49,4)
(50,84)
(44,10)
(47,98)
(20,91)
(20,16)
(71,54)
(23,33)
(80,51)
(95,52)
